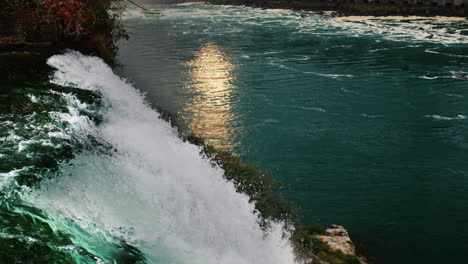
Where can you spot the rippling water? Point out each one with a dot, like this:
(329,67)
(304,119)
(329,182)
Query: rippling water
(90,173)
(361,120)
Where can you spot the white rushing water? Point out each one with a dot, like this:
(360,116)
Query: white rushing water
(154,191)
(398,29)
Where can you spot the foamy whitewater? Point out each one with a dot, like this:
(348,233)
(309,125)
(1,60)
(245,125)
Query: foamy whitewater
(150,189)
(361,118)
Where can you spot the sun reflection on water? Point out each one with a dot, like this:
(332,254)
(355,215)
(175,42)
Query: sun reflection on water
(210,86)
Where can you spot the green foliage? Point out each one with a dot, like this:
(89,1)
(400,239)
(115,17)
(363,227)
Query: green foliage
(15,6)
(89,26)
(314,229)
(82,17)
(302,239)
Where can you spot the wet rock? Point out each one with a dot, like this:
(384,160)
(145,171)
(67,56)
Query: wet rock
(337,239)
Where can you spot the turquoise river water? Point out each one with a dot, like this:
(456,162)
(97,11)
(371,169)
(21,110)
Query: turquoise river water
(360,120)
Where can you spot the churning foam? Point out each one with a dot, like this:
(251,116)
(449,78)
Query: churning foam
(153,190)
(401,30)
(440,30)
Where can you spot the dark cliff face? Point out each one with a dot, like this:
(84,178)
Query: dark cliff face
(164,2)
(34,26)
(7,27)
(28,38)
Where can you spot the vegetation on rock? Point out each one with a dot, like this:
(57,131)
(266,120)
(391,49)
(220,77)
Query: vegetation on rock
(90,26)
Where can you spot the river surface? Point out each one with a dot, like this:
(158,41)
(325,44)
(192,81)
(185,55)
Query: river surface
(361,120)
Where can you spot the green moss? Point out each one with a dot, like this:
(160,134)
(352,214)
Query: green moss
(314,229)
(302,239)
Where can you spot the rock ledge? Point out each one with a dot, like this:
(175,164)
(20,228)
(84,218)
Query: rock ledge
(337,239)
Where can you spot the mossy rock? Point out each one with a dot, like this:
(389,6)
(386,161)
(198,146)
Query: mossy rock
(325,253)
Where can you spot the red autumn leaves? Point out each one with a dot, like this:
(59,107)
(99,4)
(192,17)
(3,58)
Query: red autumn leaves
(73,13)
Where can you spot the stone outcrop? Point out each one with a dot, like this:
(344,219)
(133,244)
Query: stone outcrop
(337,239)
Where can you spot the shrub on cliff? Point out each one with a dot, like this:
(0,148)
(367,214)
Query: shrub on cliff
(74,15)
(90,26)
(81,17)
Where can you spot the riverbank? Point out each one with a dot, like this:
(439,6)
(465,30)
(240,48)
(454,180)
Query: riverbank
(356,9)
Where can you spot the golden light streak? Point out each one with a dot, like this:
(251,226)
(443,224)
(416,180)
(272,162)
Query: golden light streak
(210,81)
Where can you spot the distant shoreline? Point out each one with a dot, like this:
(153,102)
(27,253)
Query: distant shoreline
(434,18)
(450,13)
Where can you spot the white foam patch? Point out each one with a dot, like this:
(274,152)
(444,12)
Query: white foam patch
(440,117)
(23,238)
(330,75)
(6,178)
(424,31)
(304,22)
(429,77)
(370,116)
(33,98)
(155,191)
(315,109)
(433,51)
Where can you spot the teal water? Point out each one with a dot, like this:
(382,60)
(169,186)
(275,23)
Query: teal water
(90,173)
(361,120)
